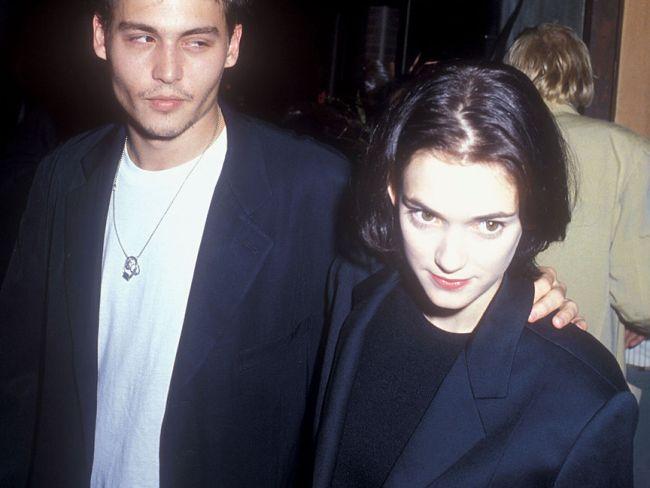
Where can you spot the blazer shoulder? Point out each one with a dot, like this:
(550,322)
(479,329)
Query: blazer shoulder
(67,155)
(298,154)
(58,170)
(77,146)
(580,356)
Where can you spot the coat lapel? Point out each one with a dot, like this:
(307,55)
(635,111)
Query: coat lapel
(86,210)
(454,423)
(402,364)
(450,427)
(367,297)
(232,251)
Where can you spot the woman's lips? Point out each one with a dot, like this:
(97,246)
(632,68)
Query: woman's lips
(447,284)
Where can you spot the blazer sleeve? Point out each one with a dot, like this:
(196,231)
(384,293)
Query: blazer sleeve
(602,454)
(22,318)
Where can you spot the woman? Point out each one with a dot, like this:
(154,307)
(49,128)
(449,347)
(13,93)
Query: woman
(435,378)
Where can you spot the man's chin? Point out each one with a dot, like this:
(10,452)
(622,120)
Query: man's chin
(160,133)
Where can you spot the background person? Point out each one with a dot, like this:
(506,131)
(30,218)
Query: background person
(607,248)
(606,255)
(435,377)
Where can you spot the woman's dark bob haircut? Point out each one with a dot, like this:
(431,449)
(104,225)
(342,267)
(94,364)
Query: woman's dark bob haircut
(470,113)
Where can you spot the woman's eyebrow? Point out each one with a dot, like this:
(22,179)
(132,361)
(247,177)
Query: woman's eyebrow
(495,215)
(414,203)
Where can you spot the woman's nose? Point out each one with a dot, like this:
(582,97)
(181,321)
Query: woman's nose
(451,253)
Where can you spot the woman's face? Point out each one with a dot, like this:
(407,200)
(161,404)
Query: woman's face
(460,228)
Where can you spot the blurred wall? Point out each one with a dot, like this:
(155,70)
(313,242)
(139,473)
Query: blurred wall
(533,12)
(633,93)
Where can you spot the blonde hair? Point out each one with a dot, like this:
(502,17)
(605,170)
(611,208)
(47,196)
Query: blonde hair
(557,61)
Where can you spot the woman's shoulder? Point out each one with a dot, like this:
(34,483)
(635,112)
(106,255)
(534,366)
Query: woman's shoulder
(575,356)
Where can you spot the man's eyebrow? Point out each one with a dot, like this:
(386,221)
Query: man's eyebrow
(208,30)
(124,26)
(202,30)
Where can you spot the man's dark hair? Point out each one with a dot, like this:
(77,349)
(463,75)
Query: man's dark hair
(483,113)
(233,9)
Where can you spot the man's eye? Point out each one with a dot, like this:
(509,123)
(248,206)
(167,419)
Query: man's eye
(141,39)
(197,43)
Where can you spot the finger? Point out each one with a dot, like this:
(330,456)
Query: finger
(552,300)
(567,313)
(635,341)
(551,273)
(545,282)
(580,322)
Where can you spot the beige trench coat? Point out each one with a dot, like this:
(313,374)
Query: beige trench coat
(605,259)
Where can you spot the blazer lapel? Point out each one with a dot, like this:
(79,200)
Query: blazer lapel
(366,300)
(402,365)
(86,211)
(232,251)
(454,423)
(450,427)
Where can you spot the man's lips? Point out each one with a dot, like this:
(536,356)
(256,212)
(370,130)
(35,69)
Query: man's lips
(447,284)
(165,104)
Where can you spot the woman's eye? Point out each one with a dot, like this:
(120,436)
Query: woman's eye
(427,216)
(490,226)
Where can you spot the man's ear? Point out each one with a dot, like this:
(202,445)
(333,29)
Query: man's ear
(99,38)
(233,47)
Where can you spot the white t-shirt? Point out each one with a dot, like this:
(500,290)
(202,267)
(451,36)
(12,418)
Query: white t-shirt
(140,320)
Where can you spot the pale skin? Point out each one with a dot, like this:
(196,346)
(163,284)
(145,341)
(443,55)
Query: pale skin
(167,58)
(633,338)
(446,232)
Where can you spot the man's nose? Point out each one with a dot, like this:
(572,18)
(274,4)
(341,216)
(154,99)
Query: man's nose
(451,253)
(168,66)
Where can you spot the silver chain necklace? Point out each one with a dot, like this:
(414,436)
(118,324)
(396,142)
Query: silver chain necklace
(131,265)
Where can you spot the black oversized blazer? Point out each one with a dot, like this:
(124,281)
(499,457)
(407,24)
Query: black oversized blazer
(523,405)
(236,405)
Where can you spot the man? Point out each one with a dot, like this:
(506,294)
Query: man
(165,301)
(222,403)
(606,253)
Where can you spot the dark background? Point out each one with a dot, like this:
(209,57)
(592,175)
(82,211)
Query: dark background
(52,86)
(286,58)
(302,66)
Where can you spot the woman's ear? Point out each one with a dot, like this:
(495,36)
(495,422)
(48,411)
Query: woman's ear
(392,194)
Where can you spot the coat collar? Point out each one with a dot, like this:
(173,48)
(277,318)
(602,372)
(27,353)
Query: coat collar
(491,353)
(232,251)
(561,108)
(481,371)
(454,422)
